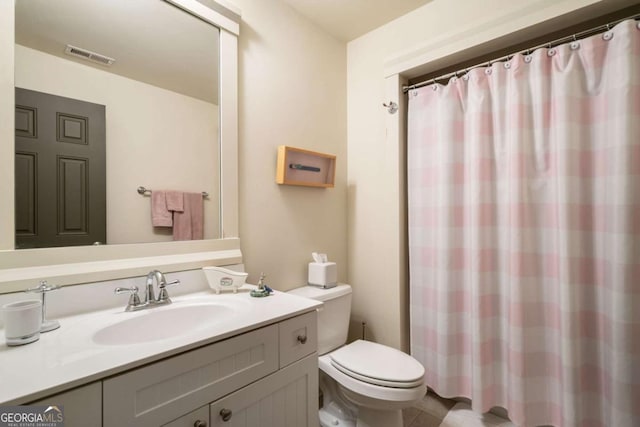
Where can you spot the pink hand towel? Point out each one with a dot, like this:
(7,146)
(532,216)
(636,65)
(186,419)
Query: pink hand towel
(160,215)
(189,224)
(175,201)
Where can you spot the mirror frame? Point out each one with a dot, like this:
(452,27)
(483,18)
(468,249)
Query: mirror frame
(20,269)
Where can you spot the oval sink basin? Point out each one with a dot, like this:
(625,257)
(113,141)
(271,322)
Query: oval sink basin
(164,322)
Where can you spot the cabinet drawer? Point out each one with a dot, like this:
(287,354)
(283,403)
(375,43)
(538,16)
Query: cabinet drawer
(298,338)
(153,395)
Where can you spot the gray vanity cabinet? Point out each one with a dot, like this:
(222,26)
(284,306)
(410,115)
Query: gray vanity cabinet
(289,396)
(157,393)
(82,406)
(265,377)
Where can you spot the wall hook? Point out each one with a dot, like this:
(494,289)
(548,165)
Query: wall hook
(392,107)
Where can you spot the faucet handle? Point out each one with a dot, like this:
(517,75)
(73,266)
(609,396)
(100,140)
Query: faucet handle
(163,295)
(171,283)
(134,299)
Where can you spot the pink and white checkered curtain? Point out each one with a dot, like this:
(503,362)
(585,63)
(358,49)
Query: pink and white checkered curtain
(524,233)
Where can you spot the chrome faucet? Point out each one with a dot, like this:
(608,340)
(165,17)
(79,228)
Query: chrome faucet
(163,295)
(149,295)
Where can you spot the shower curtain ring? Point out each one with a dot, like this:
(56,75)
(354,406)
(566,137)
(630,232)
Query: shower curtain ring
(575,44)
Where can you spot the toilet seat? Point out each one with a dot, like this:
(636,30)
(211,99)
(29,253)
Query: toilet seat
(378,365)
(371,395)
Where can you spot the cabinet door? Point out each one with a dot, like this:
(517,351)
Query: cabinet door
(287,398)
(82,406)
(197,418)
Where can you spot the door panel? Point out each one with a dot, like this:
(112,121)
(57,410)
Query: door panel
(60,171)
(26,193)
(73,210)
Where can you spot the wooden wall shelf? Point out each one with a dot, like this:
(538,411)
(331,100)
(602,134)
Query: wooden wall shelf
(297,166)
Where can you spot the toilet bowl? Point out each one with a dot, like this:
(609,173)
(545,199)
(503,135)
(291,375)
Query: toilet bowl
(364,384)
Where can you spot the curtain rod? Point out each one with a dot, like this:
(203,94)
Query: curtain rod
(554,43)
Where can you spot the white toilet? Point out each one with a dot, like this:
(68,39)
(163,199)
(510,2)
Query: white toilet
(363,384)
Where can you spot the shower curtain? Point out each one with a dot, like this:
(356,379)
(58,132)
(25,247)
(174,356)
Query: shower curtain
(524,233)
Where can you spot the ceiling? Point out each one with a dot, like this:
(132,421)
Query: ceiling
(349,19)
(154,42)
(151,40)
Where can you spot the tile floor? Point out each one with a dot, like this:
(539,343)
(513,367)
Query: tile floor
(429,412)
(432,409)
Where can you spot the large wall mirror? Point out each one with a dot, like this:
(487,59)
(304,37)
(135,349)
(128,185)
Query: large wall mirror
(169,102)
(160,99)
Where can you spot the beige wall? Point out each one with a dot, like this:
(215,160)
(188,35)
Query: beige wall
(292,91)
(440,33)
(155,138)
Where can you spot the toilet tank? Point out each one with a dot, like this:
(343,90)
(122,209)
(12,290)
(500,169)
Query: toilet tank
(333,316)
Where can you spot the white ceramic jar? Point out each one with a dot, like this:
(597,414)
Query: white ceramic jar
(22,321)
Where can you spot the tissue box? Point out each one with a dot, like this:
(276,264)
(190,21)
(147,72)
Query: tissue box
(323,274)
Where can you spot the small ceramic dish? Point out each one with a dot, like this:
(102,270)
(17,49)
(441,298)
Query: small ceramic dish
(221,278)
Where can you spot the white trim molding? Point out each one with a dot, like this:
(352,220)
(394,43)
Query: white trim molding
(523,22)
(114,263)
(216,14)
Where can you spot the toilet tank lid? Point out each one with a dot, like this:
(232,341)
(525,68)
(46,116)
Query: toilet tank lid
(320,294)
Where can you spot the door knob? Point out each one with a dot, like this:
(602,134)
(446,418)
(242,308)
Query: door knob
(302,339)
(200,423)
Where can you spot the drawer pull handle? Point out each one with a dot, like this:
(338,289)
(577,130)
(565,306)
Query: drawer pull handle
(225,414)
(200,423)
(302,339)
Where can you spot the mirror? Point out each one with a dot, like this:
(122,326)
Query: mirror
(161,110)
(20,269)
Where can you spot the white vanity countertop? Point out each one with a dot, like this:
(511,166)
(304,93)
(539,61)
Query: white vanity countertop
(69,356)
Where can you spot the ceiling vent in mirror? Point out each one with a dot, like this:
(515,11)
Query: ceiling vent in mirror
(88,55)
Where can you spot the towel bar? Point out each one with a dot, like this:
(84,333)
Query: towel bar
(143,191)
